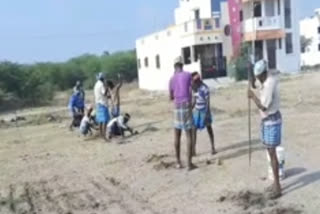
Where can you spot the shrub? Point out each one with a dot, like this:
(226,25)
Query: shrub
(238,67)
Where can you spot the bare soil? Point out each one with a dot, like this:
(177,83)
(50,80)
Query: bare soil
(46,169)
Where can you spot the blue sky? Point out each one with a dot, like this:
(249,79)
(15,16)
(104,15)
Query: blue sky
(55,30)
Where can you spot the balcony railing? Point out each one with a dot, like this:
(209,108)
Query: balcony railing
(262,23)
(202,25)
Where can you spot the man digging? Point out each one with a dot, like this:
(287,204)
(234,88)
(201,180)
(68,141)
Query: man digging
(269,104)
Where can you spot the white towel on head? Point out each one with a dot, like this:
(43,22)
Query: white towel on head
(260,67)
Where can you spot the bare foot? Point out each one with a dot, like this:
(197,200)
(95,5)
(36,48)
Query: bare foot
(214,152)
(179,166)
(192,167)
(274,194)
(269,189)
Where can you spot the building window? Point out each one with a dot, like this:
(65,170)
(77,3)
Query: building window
(289,45)
(257,9)
(279,7)
(319,30)
(287,13)
(139,63)
(158,61)
(280,44)
(319,47)
(186,55)
(146,62)
(217,22)
(241,15)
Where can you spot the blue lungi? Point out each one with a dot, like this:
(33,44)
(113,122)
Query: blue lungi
(271,128)
(102,114)
(200,119)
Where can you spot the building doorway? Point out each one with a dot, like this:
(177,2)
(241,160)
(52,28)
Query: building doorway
(258,50)
(272,53)
(213,63)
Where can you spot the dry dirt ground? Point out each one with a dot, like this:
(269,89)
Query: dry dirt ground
(46,169)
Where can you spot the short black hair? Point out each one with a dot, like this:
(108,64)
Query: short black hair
(126,115)
(194,74)
(178,65)
(110,84)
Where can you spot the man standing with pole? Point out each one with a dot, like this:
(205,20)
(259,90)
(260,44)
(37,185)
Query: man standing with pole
(271,124)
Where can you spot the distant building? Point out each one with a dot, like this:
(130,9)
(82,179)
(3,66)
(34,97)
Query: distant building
(310,29)
(208,33)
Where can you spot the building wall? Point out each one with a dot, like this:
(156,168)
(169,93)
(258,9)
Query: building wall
(169,42)
(286,63)
(309,28)
(165,45)
(290,63)
(169,47)
(226,39)
(185,11)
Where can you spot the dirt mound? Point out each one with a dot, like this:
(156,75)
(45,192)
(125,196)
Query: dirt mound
(252,202)
(164,165)
(156,158)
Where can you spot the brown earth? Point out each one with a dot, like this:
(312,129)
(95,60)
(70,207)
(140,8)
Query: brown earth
(46,169)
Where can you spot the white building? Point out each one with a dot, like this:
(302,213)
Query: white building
(273,25)
(310,29)
(200,38)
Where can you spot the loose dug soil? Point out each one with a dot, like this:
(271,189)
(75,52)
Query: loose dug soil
(256,203)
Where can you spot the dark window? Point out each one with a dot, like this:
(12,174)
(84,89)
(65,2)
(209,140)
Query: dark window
(146,62)
(139,63)
(241,15)
(289,45)
(158,61)
(287,13)
(280,43)
(197,14)
(217,22)
(257,9)
(319,47)
(319,29)
(279,7)
(186,55)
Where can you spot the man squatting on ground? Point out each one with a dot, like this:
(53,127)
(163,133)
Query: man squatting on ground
(202,117)
(118,126)
(271,125)
(180,93)
(87,122)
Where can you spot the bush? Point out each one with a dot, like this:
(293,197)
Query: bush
(36,84)
(238,67)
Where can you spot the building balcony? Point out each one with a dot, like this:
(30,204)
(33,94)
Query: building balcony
(202,26)
(202,31)
(261,28)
